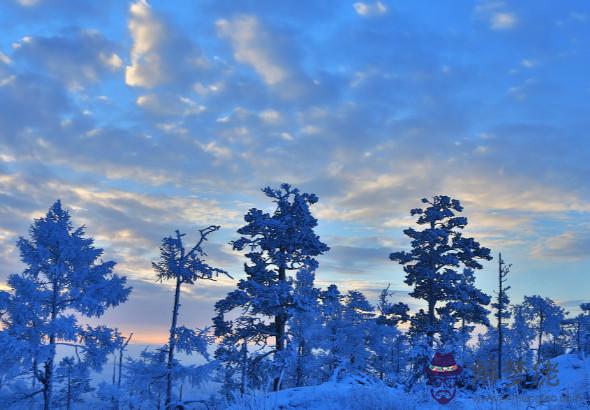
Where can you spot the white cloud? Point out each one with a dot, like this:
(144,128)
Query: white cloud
(7,80)
(254,46)
(367,10)
(217,150)
(113,61)
(28,3)
(147,32)
(528,63)
(498,17)
(567,245)
(271,116)
(503,21)
(158,55)
(74,58)
(169,104)
(4,59)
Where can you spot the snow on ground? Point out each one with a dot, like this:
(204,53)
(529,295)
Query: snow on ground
(354,393)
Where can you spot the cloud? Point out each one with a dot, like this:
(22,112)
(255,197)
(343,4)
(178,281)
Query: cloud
(503,21)
(371,116)
(4,59)
(270,52)
(76,57)
(253,46)
(354,260)
(160,54)
(498,17)
(164,104)
(368,10)
(567,245)
(28,3)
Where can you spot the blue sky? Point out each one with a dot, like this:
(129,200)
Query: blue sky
(148,117)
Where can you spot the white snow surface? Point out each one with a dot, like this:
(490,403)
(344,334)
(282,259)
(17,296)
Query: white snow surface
(361,393)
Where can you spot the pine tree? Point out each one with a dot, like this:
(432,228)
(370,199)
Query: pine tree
(64,280)
(305,327)
(519,338)
(184,267)
(501,306)
(385,339)
(358,320)
(583,333)
(332,312)
(277,243)
(438,251)
(465,307)
(544,316)
(74,378)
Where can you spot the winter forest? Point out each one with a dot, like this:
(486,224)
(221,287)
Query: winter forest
(294,205)
(276,331)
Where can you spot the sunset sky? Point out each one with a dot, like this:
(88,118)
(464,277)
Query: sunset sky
(144,118)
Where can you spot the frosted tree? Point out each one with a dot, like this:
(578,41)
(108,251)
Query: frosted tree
(74,380)
(385,340)
(501,305)
(238,369)
(184,266)
(276,243)
(579,329)
(64,281)
(519,338)
(437,255)
(358,322)
(305,327)
(467,307)
(543,315)
(332,312)
(583,329)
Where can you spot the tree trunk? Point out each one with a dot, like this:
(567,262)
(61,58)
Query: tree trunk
(114,367)
(35,369)
(172,344)
(299,371)
(280,322)
(48,378)
(244,353)
(500,311)
(397,364)
(431,318)
(541,320)
(69,390)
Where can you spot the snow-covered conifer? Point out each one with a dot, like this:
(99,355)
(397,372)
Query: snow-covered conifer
(184,266)
(64,280)
(276,244)
(438,252)
(543,315)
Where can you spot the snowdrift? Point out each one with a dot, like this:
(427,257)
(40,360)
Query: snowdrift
(360,393)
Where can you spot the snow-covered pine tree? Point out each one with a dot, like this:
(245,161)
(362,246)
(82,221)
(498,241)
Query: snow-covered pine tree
(358,322)
(583,329)
(519,338)
(73,377)
(144,380)
(277,243)
(438,252)
(501,305)
(184,266)
(64,280)
(305,326)
(386,341)
(543,315)
(332,312)
(465,307)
